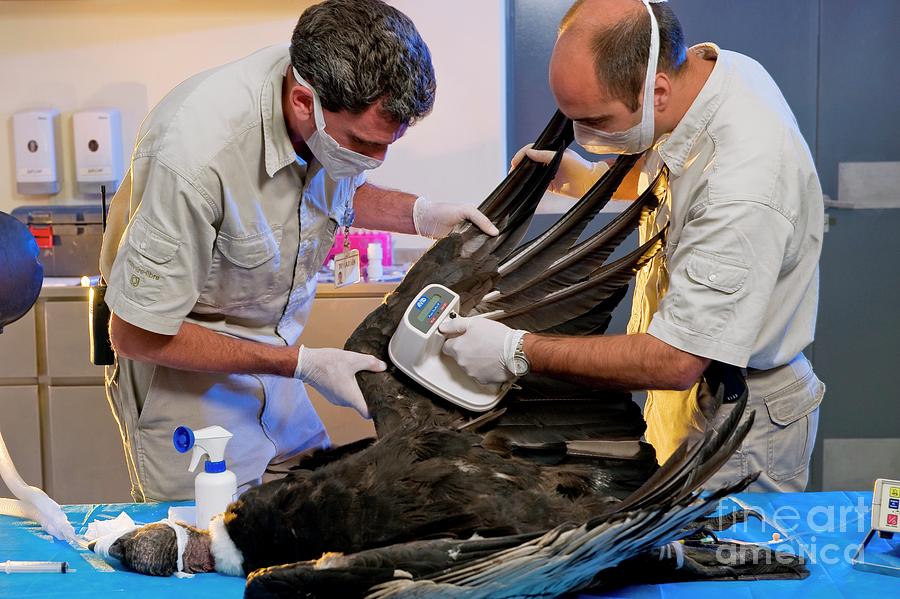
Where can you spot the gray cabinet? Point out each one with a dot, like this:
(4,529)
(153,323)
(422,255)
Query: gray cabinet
(857,351)
(18,350)
(859,82)
(53,410)
(84,460)
(66,341)
(21,427)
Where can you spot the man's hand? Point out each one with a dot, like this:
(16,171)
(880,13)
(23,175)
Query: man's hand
(437,219)
(575,175)
(482,347)
(332,372)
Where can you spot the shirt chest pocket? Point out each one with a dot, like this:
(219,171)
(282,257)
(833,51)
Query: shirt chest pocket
(716,283)
(244,270)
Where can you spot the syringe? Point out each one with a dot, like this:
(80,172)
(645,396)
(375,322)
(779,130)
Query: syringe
(12,567)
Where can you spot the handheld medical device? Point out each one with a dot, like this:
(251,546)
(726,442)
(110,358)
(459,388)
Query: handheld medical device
(416,349)
(885,521)
(886,507)
(215,487)
(102,353)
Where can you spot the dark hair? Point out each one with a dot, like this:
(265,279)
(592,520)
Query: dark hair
(621,49)
(357,52)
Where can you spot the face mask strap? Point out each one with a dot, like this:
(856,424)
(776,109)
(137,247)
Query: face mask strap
(647,121)
(317,104)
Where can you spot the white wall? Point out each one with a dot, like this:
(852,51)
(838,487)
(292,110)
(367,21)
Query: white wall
(76,54)
(458,153)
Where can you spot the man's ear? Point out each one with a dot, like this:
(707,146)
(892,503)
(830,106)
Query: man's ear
(301,100)
(662,92)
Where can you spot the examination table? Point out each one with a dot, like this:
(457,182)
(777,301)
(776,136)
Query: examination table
(826,526)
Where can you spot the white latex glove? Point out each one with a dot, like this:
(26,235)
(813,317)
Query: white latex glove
(483,348)
(575,175)
(32,503)
(332,372)
(437,219)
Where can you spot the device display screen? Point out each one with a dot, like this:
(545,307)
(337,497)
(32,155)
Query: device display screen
(427,310)
(430,309)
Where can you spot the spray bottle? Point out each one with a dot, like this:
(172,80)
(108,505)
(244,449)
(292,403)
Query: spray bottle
(215,487)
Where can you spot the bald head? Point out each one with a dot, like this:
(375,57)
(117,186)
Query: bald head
(589,15)
(610,39)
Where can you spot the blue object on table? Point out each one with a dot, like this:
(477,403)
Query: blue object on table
(93,577)
(825,527)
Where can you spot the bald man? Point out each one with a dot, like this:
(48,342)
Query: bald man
(738,281)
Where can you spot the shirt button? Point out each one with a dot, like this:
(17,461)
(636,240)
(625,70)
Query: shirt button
(143,245)
(713,277)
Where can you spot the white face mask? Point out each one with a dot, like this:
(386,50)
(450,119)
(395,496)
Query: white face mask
(640,137)
(338,161)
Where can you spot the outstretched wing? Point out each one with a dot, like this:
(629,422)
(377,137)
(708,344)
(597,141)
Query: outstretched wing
(523,285)
(465,261)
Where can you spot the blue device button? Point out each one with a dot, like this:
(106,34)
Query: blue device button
(434,309)
(894,504)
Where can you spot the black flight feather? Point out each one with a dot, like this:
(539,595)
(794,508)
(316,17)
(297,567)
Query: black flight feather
(578,299)
(529,260)
(593,322)
(579,261)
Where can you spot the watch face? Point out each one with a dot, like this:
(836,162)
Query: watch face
(521,365)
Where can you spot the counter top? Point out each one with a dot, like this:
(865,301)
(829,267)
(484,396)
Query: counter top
(68,289)
(358,290)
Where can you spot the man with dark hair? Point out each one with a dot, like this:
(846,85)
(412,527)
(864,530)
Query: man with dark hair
(239,179)
(738,280)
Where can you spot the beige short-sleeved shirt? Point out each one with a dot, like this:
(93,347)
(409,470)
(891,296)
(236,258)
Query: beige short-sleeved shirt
(738,281)
(218,233)
(746,219)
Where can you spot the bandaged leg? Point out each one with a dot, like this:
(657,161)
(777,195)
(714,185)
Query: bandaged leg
(161,549)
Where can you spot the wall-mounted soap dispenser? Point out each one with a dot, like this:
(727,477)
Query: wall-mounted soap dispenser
(35,142)
(97,135)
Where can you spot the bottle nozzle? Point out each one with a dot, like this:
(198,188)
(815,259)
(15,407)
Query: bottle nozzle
(209,441)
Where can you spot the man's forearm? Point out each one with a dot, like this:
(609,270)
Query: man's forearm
(199,349)
(630,362)
(384,209)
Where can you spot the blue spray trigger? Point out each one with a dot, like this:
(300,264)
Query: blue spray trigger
(183,439)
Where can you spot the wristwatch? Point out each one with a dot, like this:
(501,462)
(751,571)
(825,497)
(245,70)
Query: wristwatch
(518,363)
